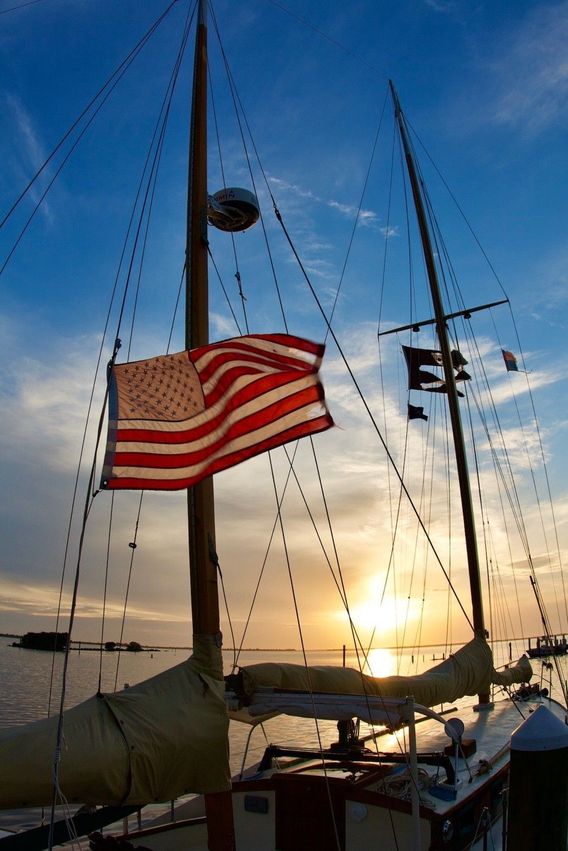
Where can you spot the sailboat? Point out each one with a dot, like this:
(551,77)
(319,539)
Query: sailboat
(426,776)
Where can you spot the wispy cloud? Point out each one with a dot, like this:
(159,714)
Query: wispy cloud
(44,402)
(531,71)
(366,218)
(30,152)
(443,6)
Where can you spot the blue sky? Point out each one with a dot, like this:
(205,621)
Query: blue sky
(484,85)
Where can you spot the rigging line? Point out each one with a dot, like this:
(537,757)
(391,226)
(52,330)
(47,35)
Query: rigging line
(497,425)
(429,456)
(267,551)
(93,387)
(358,214)
(430,442)
(76,486)
(394,522)
(482,511)
(160,125)
(227,609)
(237,100)
(21,6)
(91,399)
(460,210)
(175,310)
(412,308)
(441,251)
(105,589)
(153,176)
(429,502)
(508,628)
(151,190)
(499,491)
(449,455)
(394,525)
(369,412)
(225,293)
(548,632)
(54,178)
(357,643)
(339,584)
(343,595)
(329,39)
(87,507)
(133,546)
(536,493)
(222,167)
(303,646)
(510,485)
(118,72)
(534,482)
(543,459)
(66,158)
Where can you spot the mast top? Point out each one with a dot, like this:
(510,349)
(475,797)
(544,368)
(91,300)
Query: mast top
(452,395)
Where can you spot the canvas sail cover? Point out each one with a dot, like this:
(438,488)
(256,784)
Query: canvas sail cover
(469,671)
(154,741)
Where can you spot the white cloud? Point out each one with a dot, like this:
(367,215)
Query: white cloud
(532,70)
(444,6)
(366,218)
(44,402)
(30,151)
(359,487)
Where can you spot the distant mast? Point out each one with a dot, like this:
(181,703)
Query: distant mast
(453,403)
(200,498)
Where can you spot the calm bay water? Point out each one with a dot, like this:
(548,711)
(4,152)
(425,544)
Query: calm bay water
(26,675)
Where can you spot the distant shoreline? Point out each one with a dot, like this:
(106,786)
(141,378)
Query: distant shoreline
(77,644)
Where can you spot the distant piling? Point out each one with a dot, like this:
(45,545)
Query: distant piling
(538,784)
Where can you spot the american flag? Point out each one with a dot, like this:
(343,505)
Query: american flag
(176,419)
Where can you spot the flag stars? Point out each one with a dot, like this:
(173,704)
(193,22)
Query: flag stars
(163,388)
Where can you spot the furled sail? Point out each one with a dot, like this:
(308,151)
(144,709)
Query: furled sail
(154,741)
(469,671)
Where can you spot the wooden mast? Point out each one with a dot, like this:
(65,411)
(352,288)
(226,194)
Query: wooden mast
(453,403)
(200,498)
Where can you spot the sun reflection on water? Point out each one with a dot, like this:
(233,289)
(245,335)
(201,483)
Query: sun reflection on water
(382,663)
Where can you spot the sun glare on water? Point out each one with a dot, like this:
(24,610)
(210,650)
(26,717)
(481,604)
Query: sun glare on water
(382,663)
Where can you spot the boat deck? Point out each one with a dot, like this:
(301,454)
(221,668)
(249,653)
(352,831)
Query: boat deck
(370,799)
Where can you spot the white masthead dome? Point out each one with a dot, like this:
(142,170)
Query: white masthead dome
(233,209)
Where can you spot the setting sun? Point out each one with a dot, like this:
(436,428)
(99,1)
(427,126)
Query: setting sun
(382,615)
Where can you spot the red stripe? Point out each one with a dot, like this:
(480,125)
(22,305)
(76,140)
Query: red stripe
(253,391)
(248,425)
(302,430)
(316,349)
(224,383)
(256,359)
(244,348)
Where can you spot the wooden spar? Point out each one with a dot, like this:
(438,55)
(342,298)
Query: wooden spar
(453,403)
(200,498)
(416,326)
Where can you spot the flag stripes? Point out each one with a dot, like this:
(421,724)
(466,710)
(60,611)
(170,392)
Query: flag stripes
(259,392)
